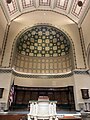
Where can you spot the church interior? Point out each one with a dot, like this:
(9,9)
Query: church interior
(44,52)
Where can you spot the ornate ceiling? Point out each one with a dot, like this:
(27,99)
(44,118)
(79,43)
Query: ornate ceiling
(74,9)
(43,41)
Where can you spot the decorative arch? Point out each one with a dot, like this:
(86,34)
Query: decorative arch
(58,56)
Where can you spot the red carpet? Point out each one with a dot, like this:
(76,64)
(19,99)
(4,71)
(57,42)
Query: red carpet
(70,118)
(13,117)
(23,117)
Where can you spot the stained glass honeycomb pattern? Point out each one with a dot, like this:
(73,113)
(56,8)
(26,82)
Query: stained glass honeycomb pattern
(43,41)
(43,49)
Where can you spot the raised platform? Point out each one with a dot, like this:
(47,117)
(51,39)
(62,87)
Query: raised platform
(22,115)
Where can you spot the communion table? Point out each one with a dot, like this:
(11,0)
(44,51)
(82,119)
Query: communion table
(42,109)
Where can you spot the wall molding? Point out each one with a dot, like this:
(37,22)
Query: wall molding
(82,46)
(5,41)
(43,76)
(5,70)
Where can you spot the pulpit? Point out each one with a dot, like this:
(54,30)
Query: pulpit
(42,109)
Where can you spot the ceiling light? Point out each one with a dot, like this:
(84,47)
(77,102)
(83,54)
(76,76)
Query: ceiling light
(9,1)
(80,4)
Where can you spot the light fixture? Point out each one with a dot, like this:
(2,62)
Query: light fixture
(9,1)
(80,4)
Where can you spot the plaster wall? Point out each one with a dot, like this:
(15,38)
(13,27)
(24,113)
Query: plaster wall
(38,82)
(86,30)
(3,24)
(42,17)
(5,82)
(80,81)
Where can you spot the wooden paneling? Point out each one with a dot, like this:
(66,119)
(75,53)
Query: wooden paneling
(19,97)
(63,95)
(1,92)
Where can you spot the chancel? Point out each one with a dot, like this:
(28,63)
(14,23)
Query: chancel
(42,109)
(44,59)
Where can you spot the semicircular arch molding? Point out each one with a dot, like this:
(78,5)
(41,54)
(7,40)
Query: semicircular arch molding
(44,42)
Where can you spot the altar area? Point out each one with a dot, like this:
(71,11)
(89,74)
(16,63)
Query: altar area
(42,103)
(42,109)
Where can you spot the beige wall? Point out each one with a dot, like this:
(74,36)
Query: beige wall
(38,82)
(3,24)
(80,81)
(86,33)
(5,81)
(86,29)
(39,17)
(73,31)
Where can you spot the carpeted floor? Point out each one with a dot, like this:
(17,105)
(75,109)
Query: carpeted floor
(22,115)
(13,117)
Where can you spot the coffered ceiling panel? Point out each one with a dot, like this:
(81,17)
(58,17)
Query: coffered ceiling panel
(44,2)
(74,9)
(62,4)
(79,9)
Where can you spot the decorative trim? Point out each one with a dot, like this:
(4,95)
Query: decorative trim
(5,41)
(42,76)
(78,72)
(5,70)
(82,45)
(48,76)
(82,72)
